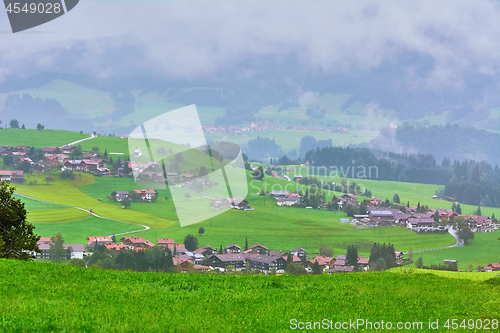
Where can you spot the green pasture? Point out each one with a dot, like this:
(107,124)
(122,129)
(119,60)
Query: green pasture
(482,250)
(66,193)
(383,189)
(111,144)
(32,205)
(64,215)
(44,297)
(38,139)
(76,232)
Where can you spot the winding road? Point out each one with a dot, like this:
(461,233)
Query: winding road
(92,136)
(452,232)
(88,211)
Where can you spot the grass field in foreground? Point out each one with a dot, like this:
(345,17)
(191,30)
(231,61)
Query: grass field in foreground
(472,276)
(46,297)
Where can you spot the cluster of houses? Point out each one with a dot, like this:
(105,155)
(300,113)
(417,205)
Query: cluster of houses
(55,156)
(206,258)
(256,258)
(378,216)
(285,198)
(74,251)
(493,267)
(236,203)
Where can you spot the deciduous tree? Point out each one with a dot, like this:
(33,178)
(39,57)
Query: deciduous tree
(190,242)
(56,249)
(16,233)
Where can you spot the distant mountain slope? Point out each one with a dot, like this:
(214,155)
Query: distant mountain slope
(452,141)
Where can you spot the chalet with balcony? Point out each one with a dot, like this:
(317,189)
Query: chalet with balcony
(299,252)
(146,195)
(121,195)
(93,241)
(232,248)
(265,262)
(11,176)
(223,260)
(51,151)
(133,242)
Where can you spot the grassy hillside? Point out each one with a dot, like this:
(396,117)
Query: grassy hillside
(483,250)
(46,297)
(407,192)
(280,228)
(38,139)
(75,225)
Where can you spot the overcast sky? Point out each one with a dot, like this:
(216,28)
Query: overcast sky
(192,38)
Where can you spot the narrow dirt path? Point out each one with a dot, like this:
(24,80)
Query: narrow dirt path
(92,136)
(88,211)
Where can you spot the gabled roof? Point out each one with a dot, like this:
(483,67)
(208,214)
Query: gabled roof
(137,240)
(116,246)
(145,191)
(230,257)
(363,261)
(263,258)
(232,245)
(257,245)
(99,239)
(278,253)
(165,241)
(294,258)
(298,249)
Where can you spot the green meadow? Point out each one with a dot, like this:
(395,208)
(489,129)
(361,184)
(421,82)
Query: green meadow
(280,228)
(43,297)
(65,192)
(74,225)
(38,139)
(482,250)
(76,232)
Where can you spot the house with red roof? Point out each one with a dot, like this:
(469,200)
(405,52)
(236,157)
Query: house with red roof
(116,247)
(93,241)
(166,243)
(257,248)
(11,175)
(146,195)
(133,242)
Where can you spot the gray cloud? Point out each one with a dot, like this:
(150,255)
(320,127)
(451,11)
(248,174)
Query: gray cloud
(193,38)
